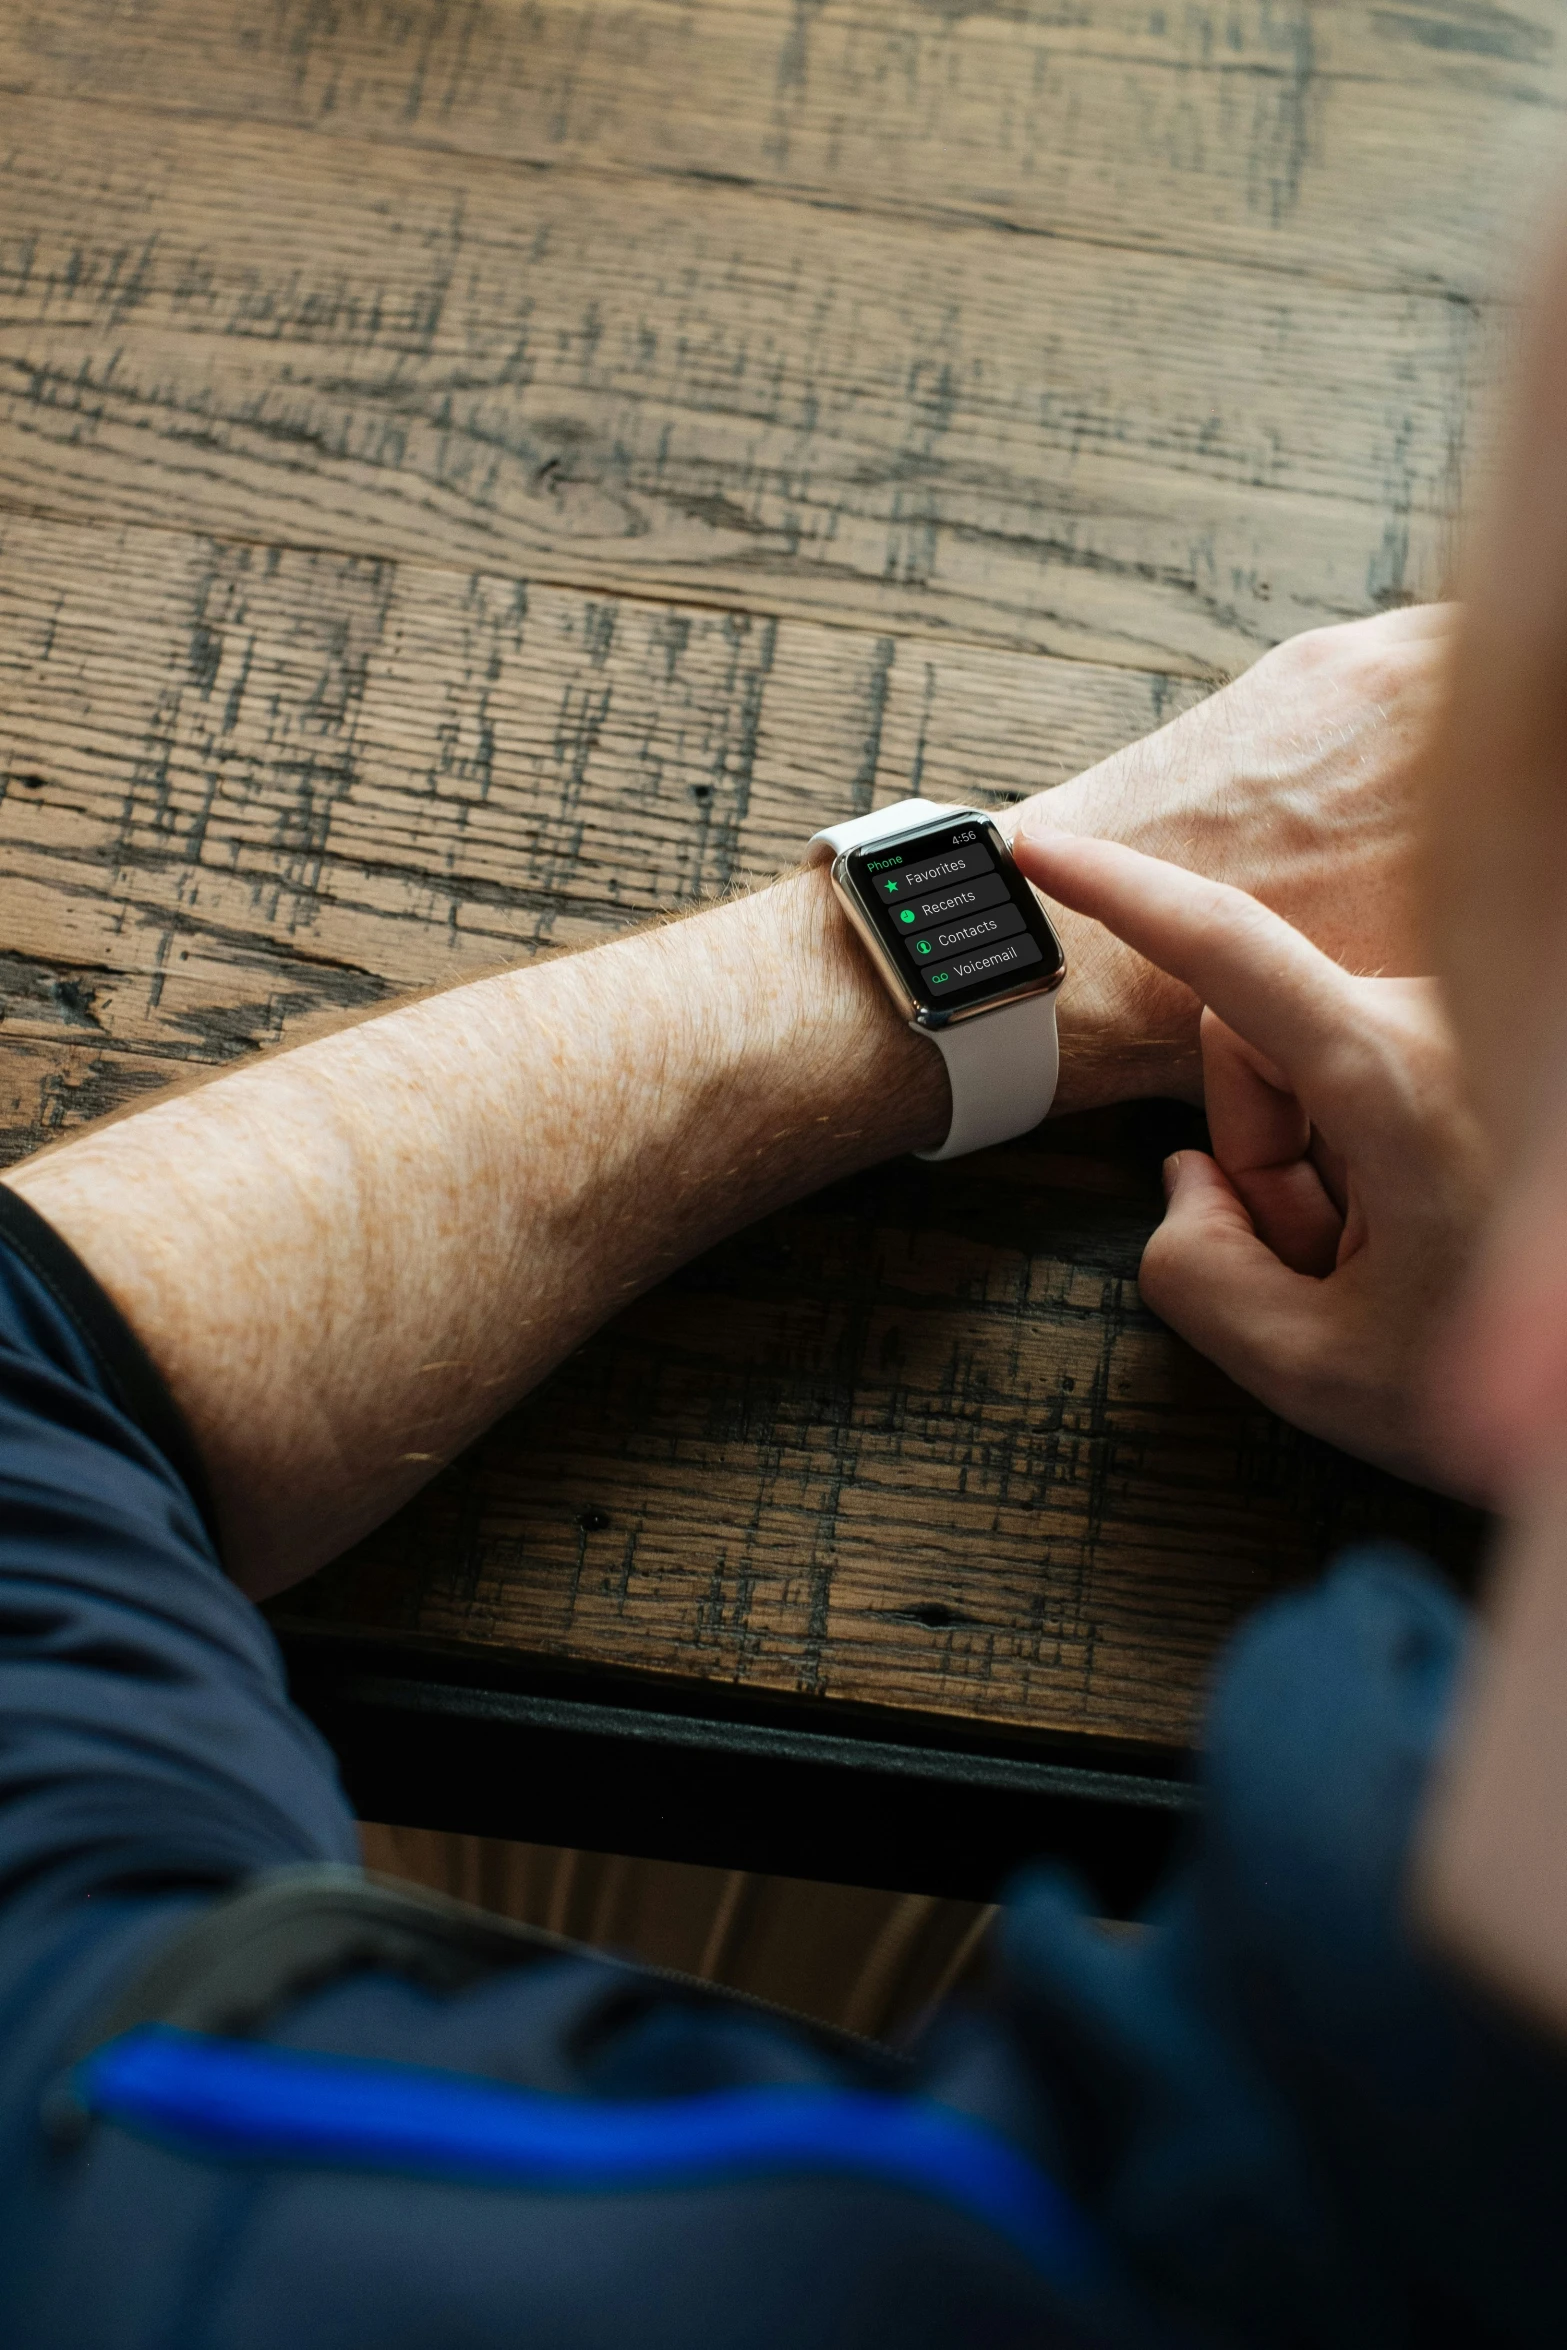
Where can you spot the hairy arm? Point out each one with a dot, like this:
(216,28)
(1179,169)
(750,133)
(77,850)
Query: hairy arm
(349,1258)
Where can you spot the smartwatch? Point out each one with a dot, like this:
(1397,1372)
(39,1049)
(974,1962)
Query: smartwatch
(965,950)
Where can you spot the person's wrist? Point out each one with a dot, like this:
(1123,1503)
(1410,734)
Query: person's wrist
(1126,1029)
(864,1086)
(1123,1036)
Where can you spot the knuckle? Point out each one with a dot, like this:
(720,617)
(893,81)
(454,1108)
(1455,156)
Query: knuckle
(1373,1071)
(1298,657)
(1397,1062)
(1160,1276)
(1365,659)
(1356,1068)
(1181,1257)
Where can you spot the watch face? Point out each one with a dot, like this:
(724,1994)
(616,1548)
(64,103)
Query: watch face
(962,926)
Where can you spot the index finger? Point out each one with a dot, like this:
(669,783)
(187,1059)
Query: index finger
(1266,981)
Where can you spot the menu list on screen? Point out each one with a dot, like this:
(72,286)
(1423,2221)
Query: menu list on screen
(958,920)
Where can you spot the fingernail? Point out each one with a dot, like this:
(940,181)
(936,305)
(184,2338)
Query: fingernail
(1169,1171)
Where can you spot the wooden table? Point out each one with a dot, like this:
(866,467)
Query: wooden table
(474,474)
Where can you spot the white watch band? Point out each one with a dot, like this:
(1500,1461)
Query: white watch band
(1001,1065)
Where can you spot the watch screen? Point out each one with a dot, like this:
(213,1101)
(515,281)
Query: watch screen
(959,917)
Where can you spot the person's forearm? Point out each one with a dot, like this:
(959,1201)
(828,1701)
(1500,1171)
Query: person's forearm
(349,1258)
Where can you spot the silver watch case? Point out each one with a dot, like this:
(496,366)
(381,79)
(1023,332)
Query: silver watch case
(885,962)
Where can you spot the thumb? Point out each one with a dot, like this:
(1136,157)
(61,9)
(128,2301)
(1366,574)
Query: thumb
(1205,1272)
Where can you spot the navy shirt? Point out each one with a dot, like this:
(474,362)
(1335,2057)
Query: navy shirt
(1266,2119)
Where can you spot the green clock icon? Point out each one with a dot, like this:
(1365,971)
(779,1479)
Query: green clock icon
(905,913)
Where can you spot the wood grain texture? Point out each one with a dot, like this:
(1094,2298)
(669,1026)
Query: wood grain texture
(933,429)
(244,788)
(914,1444)
(476,473)
(1384,145)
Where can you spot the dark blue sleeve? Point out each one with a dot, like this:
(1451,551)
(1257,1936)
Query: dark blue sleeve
(148,1750)
(149,1760)
(1268,2117)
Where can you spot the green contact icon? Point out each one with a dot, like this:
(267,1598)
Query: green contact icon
(922,946)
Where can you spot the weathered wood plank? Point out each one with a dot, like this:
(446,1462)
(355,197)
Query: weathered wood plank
(1367,143)
(432,332)
(709,392)
(244,787)
(916,1443)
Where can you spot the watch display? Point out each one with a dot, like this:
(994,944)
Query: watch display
(953,917)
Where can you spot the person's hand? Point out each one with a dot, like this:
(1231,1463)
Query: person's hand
(1314,1255)
(1295,783)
